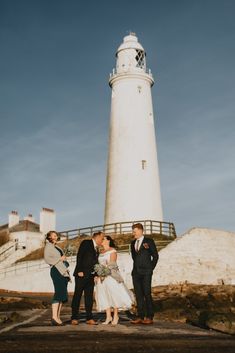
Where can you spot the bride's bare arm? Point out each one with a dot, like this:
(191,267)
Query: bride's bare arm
(113,257)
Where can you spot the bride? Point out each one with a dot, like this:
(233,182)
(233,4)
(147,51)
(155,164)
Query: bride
(111,292)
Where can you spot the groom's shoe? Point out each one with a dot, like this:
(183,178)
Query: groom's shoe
(91,322)
(137,321)
(148,321)
(74,322)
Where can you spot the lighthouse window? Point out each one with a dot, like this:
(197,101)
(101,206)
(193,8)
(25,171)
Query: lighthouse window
(144,164)
(140,58)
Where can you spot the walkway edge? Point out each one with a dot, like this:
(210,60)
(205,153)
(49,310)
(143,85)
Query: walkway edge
(6,329)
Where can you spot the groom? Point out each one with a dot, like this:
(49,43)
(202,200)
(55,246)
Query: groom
(87,257)
(145,256)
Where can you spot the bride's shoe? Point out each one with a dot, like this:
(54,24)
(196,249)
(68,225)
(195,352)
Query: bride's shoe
(115,321)
(107,321)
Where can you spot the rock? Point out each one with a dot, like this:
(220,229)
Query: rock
(13,304)
(15,317)
(209,307)
(222,322)
(3,318)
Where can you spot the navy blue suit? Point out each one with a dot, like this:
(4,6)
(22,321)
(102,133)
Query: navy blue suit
(145,260)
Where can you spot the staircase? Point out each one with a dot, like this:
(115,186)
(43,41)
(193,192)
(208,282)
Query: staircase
(10,253)
(6,250)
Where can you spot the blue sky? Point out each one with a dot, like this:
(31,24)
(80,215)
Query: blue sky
(55,104)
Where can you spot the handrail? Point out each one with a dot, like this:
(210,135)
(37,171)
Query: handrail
(7,252)
(10,247)
(150,227)
(139,70)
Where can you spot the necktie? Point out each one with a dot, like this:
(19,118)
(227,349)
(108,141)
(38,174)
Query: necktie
(137,245)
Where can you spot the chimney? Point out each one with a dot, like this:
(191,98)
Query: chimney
(29,218)
(13,219)
(47,220)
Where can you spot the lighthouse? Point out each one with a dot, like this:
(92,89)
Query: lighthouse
(132,185)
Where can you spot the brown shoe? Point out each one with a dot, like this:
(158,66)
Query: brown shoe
(147,321)
(137,321)
(74,322)
(92,322)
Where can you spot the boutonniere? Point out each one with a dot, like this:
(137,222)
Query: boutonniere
(145,245)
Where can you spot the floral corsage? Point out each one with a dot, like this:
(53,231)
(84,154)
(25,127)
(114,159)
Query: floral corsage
(145,245)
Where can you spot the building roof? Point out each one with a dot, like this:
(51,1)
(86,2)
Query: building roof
(25,225)
(3,227)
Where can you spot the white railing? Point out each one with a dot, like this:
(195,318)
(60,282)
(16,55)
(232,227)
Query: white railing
(141,70)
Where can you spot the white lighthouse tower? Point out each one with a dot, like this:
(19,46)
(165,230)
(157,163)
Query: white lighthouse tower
(133,186)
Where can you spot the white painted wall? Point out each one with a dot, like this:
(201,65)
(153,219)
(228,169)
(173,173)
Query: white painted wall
(28,240)
(47,220)
(200,256)
(34,279)
(132,192)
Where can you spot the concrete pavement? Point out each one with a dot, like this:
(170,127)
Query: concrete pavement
(37,335)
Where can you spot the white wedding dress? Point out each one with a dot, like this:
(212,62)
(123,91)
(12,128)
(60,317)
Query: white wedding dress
(109,293)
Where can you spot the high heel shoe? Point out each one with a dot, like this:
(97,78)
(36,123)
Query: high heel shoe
(107,321)
(115,321)
(56,323)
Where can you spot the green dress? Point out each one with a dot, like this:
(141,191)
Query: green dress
(60,284)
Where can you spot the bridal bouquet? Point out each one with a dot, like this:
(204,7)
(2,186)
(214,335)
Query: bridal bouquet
(102,271)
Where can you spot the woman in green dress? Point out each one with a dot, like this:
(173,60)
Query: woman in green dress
(54,256)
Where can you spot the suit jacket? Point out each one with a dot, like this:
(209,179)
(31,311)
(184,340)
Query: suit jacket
(53,258)
(145,260)
(87,257)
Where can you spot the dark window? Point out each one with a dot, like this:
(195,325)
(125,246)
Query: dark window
(140,58)
(144,164)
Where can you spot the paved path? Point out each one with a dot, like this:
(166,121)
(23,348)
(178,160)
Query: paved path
(38,335)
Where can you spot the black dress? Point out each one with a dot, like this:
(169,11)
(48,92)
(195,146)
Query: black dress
(60,284)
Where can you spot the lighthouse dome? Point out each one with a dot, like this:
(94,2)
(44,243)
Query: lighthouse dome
(130,42)
(130,56)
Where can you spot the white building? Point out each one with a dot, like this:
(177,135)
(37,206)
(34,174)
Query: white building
(21,237)
(133,186)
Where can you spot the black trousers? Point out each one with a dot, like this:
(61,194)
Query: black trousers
(142,288)
(86,285)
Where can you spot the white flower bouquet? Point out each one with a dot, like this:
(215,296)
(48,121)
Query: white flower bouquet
(102,271)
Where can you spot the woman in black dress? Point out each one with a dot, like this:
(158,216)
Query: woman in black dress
(54,256)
